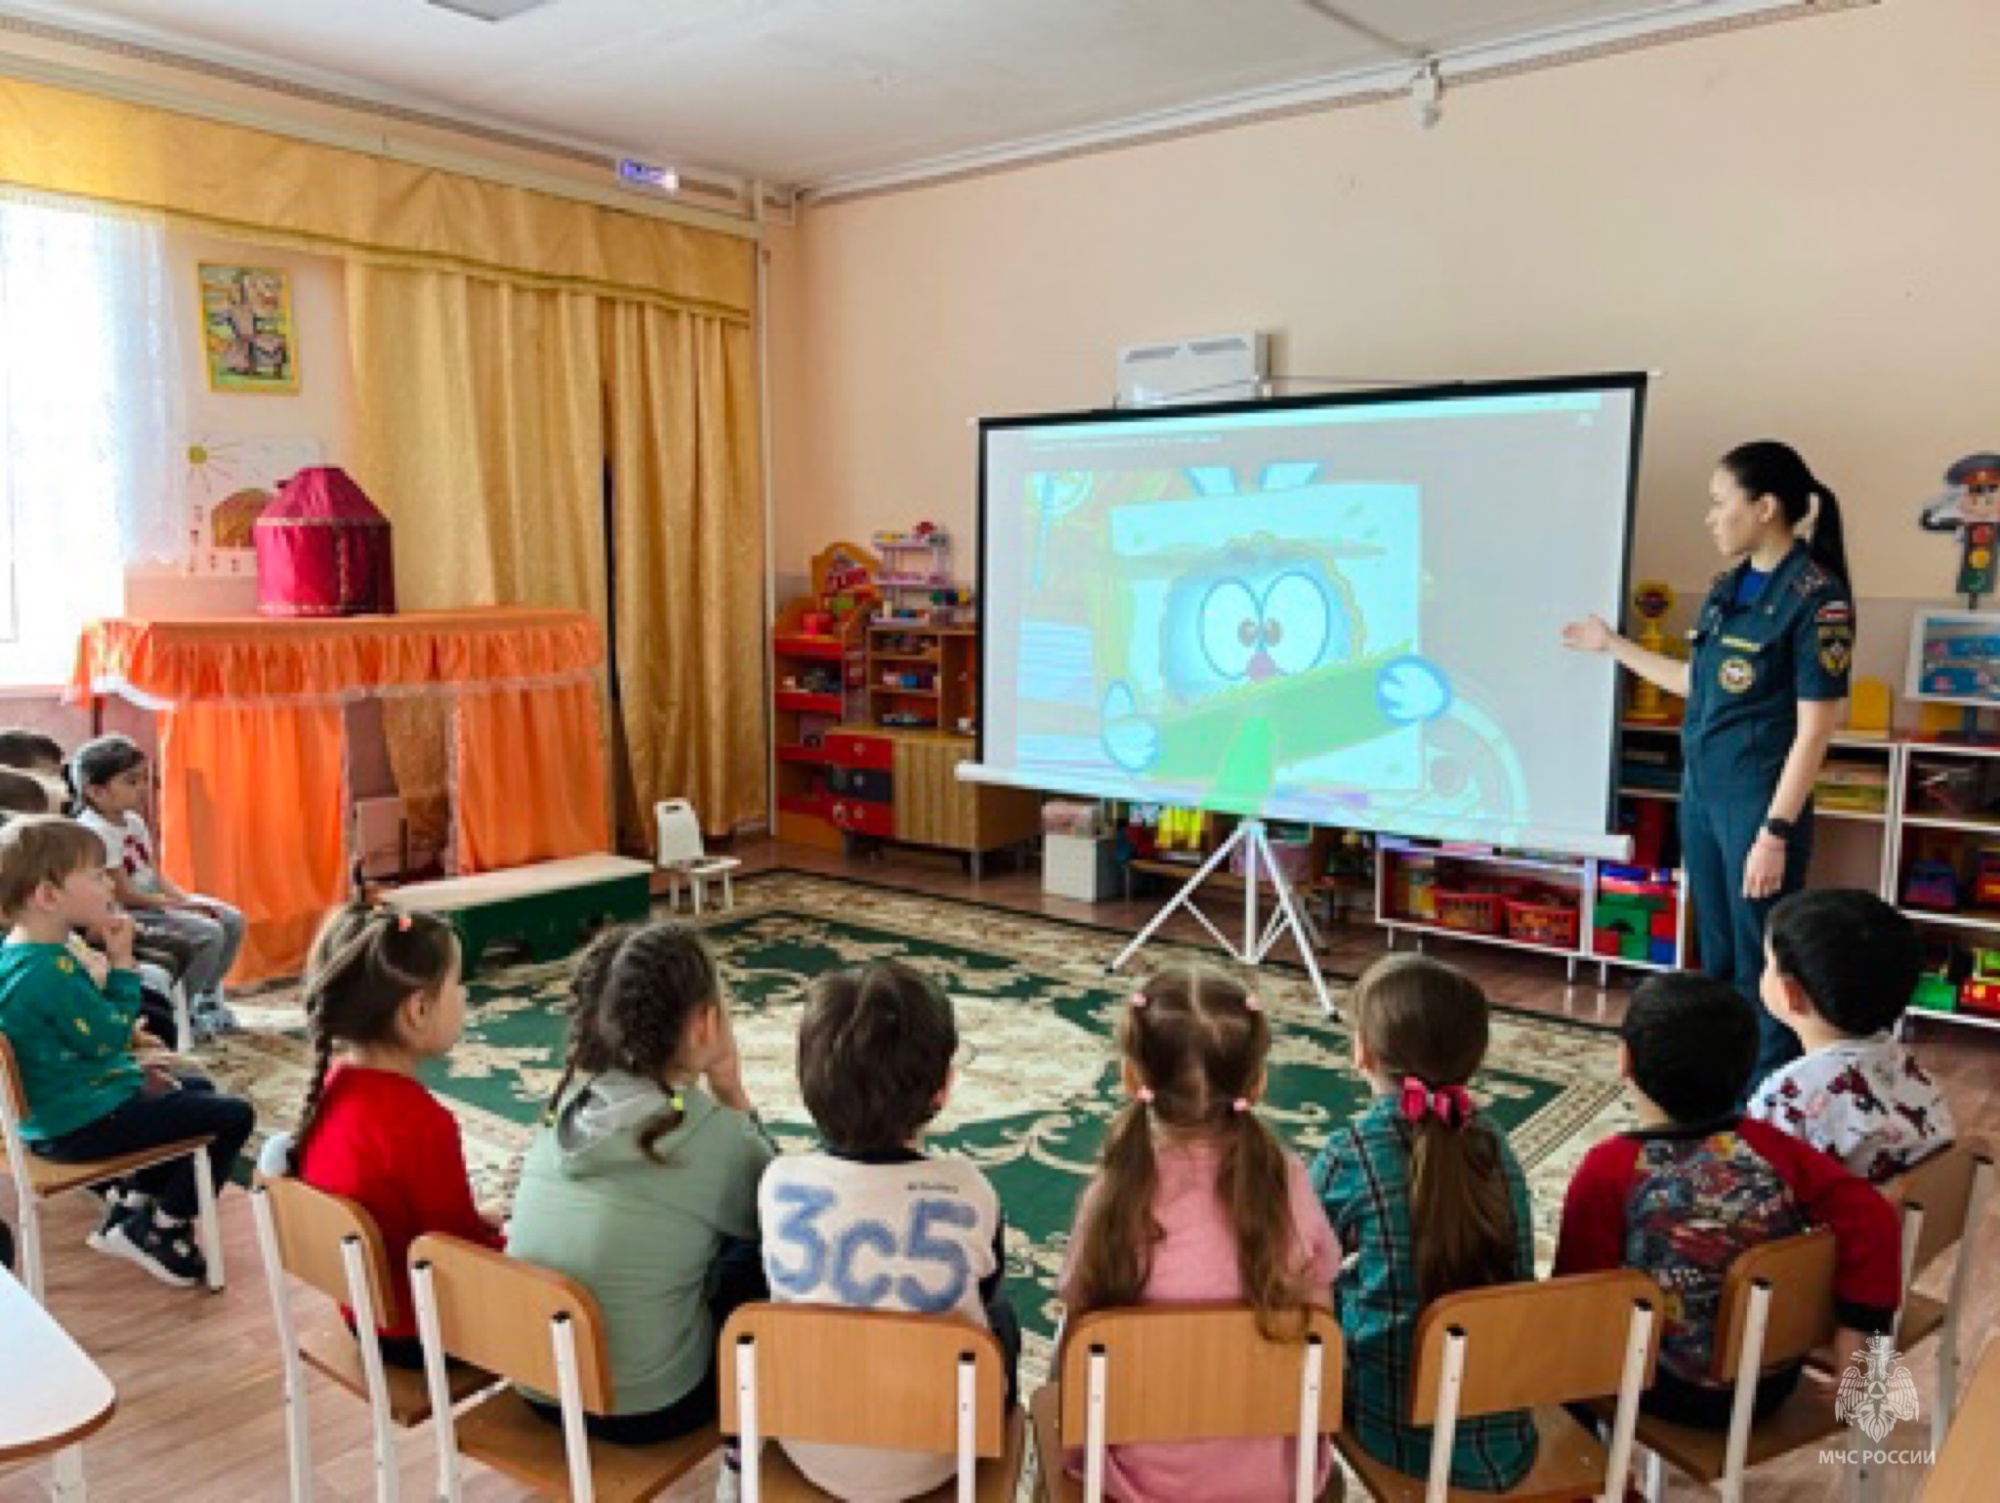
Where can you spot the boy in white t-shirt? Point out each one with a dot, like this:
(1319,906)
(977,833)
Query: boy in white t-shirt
(110,778)
(873,1222)
(1839,969)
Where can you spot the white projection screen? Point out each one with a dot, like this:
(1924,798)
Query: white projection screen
(1343,610)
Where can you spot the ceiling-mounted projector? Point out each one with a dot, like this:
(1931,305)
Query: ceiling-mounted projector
(488,10)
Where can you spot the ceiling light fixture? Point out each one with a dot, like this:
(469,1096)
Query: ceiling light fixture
(488,10)
(1427,92)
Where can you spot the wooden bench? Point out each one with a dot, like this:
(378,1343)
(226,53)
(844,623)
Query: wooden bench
(549,908)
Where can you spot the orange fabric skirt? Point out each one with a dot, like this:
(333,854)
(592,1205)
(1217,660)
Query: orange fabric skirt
(254,806)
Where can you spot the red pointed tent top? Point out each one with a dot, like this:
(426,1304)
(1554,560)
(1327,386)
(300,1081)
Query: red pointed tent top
(324,493)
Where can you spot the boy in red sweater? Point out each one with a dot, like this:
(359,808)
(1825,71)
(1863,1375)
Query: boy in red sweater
(382,995)
(1696,1183)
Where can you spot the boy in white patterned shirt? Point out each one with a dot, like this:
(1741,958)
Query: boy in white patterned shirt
(1839,970)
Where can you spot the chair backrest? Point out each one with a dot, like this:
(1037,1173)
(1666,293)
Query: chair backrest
(808,1355)
(1195,1372)
(10,1083)
(312,1225)
(1970,1457)
(496,1313)
(1577,1329)
(1941,1186)
(1800,1271)
(679,830)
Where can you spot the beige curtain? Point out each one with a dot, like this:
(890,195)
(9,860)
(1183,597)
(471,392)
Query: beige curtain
(486,415)
(479,430)
(688,540)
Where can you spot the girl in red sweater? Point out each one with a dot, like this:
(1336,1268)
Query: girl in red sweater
(382,995)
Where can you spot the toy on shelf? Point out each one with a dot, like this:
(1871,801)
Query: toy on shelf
(1637,917)
(916,578)
(1981,990)
(1473,912)
(1986,878)
(1932,885)
(1652,600)
(1970,507)
(1543,919)
(820,662)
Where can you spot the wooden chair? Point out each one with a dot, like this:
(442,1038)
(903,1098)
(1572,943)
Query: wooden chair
(539,1329)
(868,1378)
(1538,1347)
(1942,1199)
(1166,1373)
(1777,1306)
(37,1179)
(1969,1460)
(331,1244)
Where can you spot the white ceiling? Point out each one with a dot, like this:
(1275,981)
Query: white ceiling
(821,92)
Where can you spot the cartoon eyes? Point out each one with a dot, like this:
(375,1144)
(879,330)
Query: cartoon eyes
(1231,627)
(1283,632)
(1298,619)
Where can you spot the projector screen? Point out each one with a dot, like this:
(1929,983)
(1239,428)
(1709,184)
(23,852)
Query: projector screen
(1341,610)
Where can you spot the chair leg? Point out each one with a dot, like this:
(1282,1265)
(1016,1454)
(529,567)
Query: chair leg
(183,1019)
(1653,1477)
(298,1419)
(31,1246)
(211,1223)
(67,1486)
(728,893)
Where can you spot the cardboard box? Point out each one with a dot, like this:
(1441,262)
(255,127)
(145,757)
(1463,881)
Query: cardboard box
(1075,867)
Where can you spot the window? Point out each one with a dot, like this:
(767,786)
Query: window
(89,424)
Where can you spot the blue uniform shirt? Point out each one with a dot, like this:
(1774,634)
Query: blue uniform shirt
(1752,662)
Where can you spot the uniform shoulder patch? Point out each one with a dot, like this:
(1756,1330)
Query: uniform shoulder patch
(1835,613)
(1811,579)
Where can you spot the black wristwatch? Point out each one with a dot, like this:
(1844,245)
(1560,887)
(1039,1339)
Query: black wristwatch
(1779,829)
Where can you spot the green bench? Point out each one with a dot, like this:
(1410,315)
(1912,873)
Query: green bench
(549,908)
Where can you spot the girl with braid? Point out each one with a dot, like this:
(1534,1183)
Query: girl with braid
(382,995)
(642,1182)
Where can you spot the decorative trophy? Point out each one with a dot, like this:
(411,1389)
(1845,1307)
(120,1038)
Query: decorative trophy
(1652,599)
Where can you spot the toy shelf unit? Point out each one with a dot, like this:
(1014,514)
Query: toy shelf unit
(916,580)
(819,681)
(1945,874)
(922,678)
(1577,910)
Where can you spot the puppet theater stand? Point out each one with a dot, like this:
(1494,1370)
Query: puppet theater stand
(253,765)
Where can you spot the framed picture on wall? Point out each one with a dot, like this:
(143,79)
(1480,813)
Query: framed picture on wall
(248,337)
(1955,658)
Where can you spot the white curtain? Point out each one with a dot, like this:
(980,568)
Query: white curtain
(90,424)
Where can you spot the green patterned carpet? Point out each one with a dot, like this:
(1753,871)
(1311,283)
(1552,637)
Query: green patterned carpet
(1038,1080)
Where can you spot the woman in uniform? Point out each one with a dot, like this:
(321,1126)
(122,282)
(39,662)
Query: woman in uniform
(1768,668)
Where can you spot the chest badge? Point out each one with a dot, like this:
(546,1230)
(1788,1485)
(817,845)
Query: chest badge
(1736,675)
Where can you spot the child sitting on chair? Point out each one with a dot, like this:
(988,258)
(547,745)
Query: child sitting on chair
(382,995)
(1839,970)
(642,1183)
(1196,1199)
(89,1097)
(33,755)
(109,775)
(1696,1183)
(1428,1199)
(876,1046)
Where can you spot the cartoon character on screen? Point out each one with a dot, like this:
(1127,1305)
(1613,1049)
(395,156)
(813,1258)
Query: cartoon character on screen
(1263,663)
(1971,508)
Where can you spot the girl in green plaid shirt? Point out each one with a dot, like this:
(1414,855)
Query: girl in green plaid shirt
(1427,1198)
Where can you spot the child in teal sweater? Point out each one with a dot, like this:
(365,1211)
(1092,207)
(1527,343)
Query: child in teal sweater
(89,1096)
(642,1183)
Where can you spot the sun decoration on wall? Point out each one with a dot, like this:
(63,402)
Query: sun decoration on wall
(229,483)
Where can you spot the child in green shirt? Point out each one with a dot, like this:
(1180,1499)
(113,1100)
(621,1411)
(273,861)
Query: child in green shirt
(89,1096)
(642,1182)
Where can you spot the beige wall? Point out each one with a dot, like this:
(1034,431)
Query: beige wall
(1799,224)
(321,408)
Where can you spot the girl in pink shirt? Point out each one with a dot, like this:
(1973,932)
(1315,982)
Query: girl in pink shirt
(1197,1200)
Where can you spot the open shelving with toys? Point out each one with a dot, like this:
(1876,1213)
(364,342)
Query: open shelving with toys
(1577,910)
(876,705)
(1945,874)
